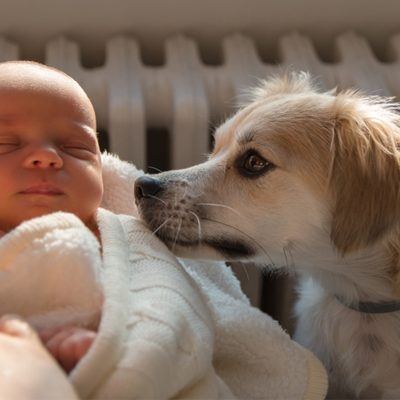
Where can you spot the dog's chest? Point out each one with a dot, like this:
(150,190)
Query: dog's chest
(360,351)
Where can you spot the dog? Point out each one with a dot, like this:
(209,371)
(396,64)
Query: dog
(308,181)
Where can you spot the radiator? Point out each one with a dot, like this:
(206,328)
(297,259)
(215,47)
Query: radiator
(184,98)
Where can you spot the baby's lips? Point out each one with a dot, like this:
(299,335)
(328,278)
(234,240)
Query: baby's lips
(43,188)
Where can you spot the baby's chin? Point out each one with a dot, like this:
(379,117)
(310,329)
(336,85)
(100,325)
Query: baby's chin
(10,222)
(26,216)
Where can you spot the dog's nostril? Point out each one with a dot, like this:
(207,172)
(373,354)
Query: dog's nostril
(146,186)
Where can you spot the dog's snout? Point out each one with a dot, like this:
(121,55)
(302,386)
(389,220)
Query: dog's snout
(146,186)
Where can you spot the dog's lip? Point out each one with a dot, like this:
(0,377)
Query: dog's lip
(231,247)
(179,242)
(228,247)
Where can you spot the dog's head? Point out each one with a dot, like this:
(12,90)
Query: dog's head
(292,168)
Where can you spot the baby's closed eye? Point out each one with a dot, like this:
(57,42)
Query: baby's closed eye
(8,143)
(78,146)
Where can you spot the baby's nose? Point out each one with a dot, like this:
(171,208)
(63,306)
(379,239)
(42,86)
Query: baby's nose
(43,157)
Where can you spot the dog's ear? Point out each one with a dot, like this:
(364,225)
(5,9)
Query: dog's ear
(365,171)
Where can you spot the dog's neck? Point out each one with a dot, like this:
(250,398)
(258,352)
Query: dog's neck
(363,276)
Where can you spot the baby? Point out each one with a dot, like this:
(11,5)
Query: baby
(49,161)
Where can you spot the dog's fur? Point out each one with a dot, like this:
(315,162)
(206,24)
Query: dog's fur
(326,205)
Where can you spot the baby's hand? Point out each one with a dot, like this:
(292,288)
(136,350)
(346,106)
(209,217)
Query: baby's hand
(67,344)
(27,371)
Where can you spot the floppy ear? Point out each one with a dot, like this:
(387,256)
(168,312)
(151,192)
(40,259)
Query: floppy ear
(365,172)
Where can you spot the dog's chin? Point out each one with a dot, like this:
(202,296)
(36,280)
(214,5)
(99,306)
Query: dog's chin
(211,249)
(196,252)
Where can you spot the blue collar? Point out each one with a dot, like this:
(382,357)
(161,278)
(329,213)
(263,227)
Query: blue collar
(372,308)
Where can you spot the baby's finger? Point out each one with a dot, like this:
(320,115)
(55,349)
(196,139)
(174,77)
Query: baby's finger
(48,333)
(14,326)
(54,343)
(74,347)
(68,352)
(83,343)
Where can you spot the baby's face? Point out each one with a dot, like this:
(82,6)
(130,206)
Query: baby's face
(49,154)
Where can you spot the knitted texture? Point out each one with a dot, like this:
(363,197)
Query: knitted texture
(156,336)
(168,329)
(253,355)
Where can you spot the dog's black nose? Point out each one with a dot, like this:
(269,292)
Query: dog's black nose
(145,186)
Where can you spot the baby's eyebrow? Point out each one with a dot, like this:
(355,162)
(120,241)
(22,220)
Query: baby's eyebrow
(85,128)
(8,119)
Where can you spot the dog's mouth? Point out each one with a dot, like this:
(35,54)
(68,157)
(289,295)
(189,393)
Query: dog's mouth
(229,248)
(184,233)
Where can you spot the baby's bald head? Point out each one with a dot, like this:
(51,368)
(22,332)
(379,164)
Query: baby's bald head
(29,76)
(49,154)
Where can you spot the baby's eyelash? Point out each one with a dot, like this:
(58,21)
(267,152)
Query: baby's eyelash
(8,140)
(13,144)
(78,147)
(8,147)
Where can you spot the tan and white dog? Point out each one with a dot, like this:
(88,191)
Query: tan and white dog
(308,181)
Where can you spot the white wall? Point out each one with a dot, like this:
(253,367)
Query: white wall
(90,22)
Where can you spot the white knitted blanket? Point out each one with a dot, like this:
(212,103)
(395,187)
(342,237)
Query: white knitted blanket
(166,330)
(252,353)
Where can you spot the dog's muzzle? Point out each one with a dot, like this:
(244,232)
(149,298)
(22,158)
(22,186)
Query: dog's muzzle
(168,206)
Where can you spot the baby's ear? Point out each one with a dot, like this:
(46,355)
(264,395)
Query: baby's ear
(365,172)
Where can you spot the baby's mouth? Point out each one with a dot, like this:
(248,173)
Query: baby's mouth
(43,189)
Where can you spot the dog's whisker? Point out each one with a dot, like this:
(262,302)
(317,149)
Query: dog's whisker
(177,234)
(287,249)
(220,205)
(155,168)
(245,234)
(194,193)
(157,229)
(293,265)
(198,223)
(286,259)
(185,192)
(157,198)
(245,271)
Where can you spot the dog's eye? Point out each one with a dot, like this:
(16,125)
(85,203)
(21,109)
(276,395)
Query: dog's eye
(252,164)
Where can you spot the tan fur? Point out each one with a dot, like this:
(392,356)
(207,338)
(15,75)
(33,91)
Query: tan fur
(329,209)
(359,137)
(365,172)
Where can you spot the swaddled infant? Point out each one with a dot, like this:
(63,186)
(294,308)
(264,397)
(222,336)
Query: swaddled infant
(49,161)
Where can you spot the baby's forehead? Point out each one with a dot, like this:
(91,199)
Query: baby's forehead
(27,81)
(32,77)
